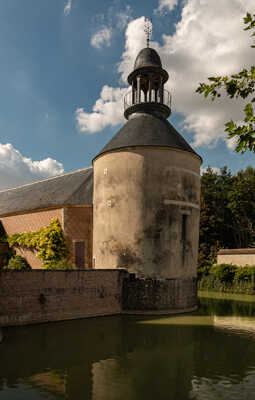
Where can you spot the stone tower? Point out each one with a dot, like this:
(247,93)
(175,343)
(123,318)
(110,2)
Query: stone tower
(147,186)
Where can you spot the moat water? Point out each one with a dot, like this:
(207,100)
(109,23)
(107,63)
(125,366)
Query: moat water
(206,355)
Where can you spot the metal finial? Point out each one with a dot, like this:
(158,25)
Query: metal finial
(148,30)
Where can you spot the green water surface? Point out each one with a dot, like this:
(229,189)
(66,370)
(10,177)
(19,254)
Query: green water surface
(209,354)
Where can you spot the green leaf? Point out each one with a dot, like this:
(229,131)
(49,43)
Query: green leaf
(230,126)
(248,18)
(214,78)
(248,111)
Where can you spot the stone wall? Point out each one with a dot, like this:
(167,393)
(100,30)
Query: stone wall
(240,257)
(28,297)
(168,295)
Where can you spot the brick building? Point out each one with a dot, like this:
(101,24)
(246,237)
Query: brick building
(68,198)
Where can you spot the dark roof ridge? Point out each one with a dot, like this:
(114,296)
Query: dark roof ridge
(84,183)
(47,179)
(147,130)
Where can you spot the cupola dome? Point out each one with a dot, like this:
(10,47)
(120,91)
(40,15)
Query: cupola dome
(147,57)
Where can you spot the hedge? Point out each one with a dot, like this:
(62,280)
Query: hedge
(227,278)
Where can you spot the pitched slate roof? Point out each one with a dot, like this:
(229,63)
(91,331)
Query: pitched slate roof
(147,130)
(71,188)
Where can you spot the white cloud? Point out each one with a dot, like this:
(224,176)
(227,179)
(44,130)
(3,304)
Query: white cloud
(101,37)
(135,41)
(231,143)
(165,4)
(216,170)
(68,7)
(208,41)
(15,169)
(115,19)
(123,17)
(108,110)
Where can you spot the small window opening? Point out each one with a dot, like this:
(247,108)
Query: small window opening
(184,227)
(79,254)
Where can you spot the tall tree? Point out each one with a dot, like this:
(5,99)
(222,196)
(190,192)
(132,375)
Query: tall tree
(242,206)
(215,216)
(227,218)
(240,85)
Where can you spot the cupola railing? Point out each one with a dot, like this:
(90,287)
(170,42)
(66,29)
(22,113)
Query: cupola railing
(156,97)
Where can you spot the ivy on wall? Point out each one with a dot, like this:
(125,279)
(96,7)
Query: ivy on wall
(49,243)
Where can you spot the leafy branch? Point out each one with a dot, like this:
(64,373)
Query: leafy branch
(240,85)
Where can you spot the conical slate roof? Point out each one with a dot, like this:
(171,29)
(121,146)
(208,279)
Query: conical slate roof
(71,188)
(147,130)
(147,57)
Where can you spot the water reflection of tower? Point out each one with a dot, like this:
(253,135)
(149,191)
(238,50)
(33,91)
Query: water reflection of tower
(117,357)
(158,362)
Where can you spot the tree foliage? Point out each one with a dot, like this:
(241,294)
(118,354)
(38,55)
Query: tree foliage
(227,218)
(18,263)
(61,264)
(240,85)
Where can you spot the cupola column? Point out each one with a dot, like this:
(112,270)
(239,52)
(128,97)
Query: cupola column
(161,90)
(150,87)
(145,95)
(138,89)
(133,92)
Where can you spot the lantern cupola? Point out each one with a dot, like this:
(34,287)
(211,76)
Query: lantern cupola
(147,80)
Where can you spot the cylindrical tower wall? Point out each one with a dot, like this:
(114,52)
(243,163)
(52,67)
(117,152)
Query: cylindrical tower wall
(146,211)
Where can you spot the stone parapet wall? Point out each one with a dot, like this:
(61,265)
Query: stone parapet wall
(159,295)
(239,257)
(28,297)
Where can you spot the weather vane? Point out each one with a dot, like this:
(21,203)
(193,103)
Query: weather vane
(148,30)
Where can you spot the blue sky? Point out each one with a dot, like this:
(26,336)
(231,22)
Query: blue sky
(60,58)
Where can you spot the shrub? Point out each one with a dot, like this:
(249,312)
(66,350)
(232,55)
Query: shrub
(4,259)
(63,264)
(203,271)
(51,245)
(18,263)
(227,278)
(224,272)
(245,274)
